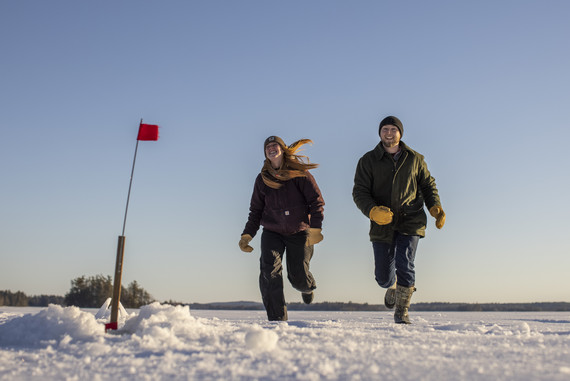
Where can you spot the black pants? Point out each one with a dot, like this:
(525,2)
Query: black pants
(273,248)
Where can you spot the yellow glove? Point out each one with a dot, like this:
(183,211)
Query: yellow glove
(439,215)
(244,243)
(314,236)
(382,215)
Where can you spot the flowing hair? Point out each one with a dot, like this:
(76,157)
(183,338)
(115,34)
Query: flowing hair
(293,165)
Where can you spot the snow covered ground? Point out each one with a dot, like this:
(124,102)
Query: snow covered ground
(161,342)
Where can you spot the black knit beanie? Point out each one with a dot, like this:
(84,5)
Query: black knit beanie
(394,122)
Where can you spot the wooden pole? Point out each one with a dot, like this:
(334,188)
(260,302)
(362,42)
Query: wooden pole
(115,301)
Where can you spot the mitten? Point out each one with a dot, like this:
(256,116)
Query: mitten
(439,215)
(314,236)
(382,215)
(244,243)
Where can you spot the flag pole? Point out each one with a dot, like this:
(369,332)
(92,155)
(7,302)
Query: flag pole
(116,299)
(130,184)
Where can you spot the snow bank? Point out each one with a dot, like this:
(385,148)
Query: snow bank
(50,326)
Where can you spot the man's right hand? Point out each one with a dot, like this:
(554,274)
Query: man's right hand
(382,215)
(244,243)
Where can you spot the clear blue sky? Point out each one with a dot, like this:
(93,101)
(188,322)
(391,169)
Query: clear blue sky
(481,87)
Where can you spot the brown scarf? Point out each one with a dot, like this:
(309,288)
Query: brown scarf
(293,166)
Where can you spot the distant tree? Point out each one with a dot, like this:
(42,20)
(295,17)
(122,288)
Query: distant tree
(93,292)
(135,296)
(89,292)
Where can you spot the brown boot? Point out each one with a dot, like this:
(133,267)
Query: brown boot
(403,300)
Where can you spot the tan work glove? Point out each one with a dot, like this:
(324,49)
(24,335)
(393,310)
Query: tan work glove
(314,236)
(439,215)
(382,215)
(244,243)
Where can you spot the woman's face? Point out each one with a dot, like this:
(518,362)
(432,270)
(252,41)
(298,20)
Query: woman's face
(273,151)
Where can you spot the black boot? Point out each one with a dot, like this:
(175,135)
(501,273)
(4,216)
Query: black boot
(308,297)
(390,297)
(282,317)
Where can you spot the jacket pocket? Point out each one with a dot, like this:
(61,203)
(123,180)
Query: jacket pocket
(414,208)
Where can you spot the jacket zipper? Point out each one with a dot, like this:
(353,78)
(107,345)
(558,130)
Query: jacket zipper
(397,169)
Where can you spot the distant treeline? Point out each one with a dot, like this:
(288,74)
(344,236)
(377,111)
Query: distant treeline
(483,307)
(350,306)
(87,292)
(135,296)
(19,299)
(489,307)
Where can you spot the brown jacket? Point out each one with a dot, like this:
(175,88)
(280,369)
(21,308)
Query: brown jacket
(296,206)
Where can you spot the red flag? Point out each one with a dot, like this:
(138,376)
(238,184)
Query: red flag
(148,132)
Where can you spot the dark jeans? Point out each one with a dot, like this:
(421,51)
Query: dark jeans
(396,260)
(273,248)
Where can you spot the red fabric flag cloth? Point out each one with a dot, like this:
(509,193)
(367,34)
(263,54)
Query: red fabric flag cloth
(148,132)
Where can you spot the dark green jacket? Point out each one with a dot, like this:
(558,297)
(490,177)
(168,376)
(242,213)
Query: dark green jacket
(403,186)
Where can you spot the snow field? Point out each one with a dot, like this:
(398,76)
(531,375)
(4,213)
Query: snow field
(162,342)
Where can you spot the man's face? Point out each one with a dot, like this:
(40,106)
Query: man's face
(273,151)
(390,135)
